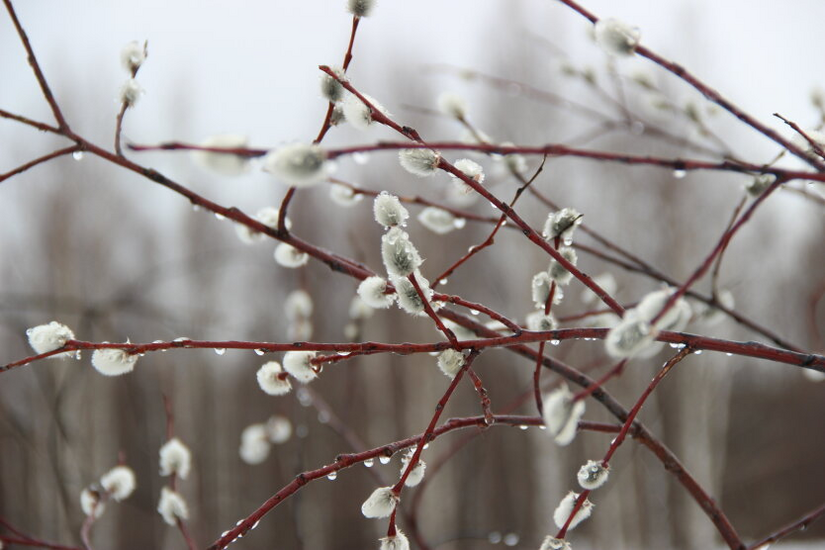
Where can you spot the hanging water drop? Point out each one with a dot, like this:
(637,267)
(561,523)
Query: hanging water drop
(384,459)
(698,352)
(77,155)
(259,352)
(494,537)
(369,463)
(361,158)
(220,351)
(473,312)
(522,427)
(332,476)
(219,216)
(679,174)
(510,539)
(554,342)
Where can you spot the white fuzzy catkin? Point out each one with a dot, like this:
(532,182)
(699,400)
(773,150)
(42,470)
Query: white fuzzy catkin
(119,482)
(558,272)
(372,292)
(452,105)
(298,305)
(343,195)
(254,444)
(417,473)
(331,89)
(565,508)
(562,224)
(130,92)
(298,164)
(397,542)
(278,429)
(297,363)
(175,459)
(288,256)
(388,210)
(90,503)
(268,216)
(471,169)
(440,221)
(419,162)
(540,290)
(615,37)
(113,361)
(132,56)
(593,475)
(561,414)
(400,256)
(538,321)
(552,543)
(380,503)
(270,381)
(408,298)
(358,114)
(172,507)
(450,362)
(630,337)
(360,8)
(225,164)
(46,338)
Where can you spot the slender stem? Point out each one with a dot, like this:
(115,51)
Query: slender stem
(40,160)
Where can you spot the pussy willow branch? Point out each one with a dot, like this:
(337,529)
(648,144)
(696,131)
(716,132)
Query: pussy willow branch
(40,160)
(798,525)
(346,460)
(710,94)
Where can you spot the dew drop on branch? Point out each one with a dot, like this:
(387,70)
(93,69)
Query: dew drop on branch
(369,463)
(77,155)
(679,174)
(332,476)
(220,351)
(384,459)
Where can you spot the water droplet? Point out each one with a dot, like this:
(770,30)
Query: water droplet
(77,155)
(522,427)
(220,351)
(729,354)
(426,446)
(698,352)
(568,241)
(679,174)
(459,223)
(384,459)
(637,128)
(554,342)
(332,476)
(254,525)
(259,352)
(361,158)
(323,417)
(542,427)
(442,282)
(303,397)
(220,216)
(510,539)
(369,463)
(473,312)
(343,353)
(494,537)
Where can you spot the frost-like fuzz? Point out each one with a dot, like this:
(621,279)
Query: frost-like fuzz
(119,482)
(565,508)
(278,429)
(254,444)
(175,459)
(452,105)
(562,224)
(398,542)
(130,92)
(172,507)
(758,184)
(631,336)
(676,318)
(552,543)
(298,164)
(46,338)
(132,56)
(343,195)
(408,298)
(616,38)
(557,271)
(372,292)
(358,114)
(593,475)
(471,169)
(417,473)
(419,162)
(90,503)
(225,164)
(538,321)
(439,221)
(288,256)
(270,381)
(400,256)
(380,504)
(450,362)
(360,8)
(606,281)
(113,362)
(268,216)
(297,363)
(388,211)
(331,89)
(561,414)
